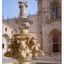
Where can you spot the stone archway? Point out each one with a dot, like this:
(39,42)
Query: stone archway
(55,41)
(5,43)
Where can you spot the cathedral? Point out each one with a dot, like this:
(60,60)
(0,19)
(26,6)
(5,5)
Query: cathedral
(46,26)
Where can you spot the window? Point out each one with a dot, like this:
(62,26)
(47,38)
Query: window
(11,32)
(55,40)
(5,29)
(55,48)
(3,46)
(55,12)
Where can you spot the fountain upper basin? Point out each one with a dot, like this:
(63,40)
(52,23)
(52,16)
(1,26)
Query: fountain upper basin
(23,35)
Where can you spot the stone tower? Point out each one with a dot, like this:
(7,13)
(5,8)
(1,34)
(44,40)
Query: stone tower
(49,15)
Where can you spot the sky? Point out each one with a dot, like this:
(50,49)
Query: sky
(11,8)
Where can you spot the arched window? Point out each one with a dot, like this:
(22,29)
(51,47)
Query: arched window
(55,12)
(5,29)
(3,46)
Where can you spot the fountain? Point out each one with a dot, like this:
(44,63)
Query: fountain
(24,46)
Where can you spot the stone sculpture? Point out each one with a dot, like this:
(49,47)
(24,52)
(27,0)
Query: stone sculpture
(19,48)
(23,8)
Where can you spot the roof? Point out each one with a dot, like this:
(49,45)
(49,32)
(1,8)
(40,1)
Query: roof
(18,17)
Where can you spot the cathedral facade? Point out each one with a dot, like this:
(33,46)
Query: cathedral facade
(46,26)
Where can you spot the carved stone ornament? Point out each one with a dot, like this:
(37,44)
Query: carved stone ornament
(24,48)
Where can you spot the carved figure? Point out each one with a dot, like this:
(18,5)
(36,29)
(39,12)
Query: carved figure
(23,8)
(24,50)
(7,54)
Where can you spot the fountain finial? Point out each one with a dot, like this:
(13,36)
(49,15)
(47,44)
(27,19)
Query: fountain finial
(23,8)
(21,0)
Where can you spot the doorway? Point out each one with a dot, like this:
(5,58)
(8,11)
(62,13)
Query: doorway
(55,43)
(55,48)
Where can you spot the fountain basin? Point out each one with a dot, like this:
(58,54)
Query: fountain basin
(23,35)
(22,20)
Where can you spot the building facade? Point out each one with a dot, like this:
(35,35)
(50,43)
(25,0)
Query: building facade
(49,17)
(8,31)
(46,26)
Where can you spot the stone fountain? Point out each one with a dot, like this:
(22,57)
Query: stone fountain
(24,46)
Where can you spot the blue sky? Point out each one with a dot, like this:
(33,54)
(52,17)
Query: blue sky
(11,8)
